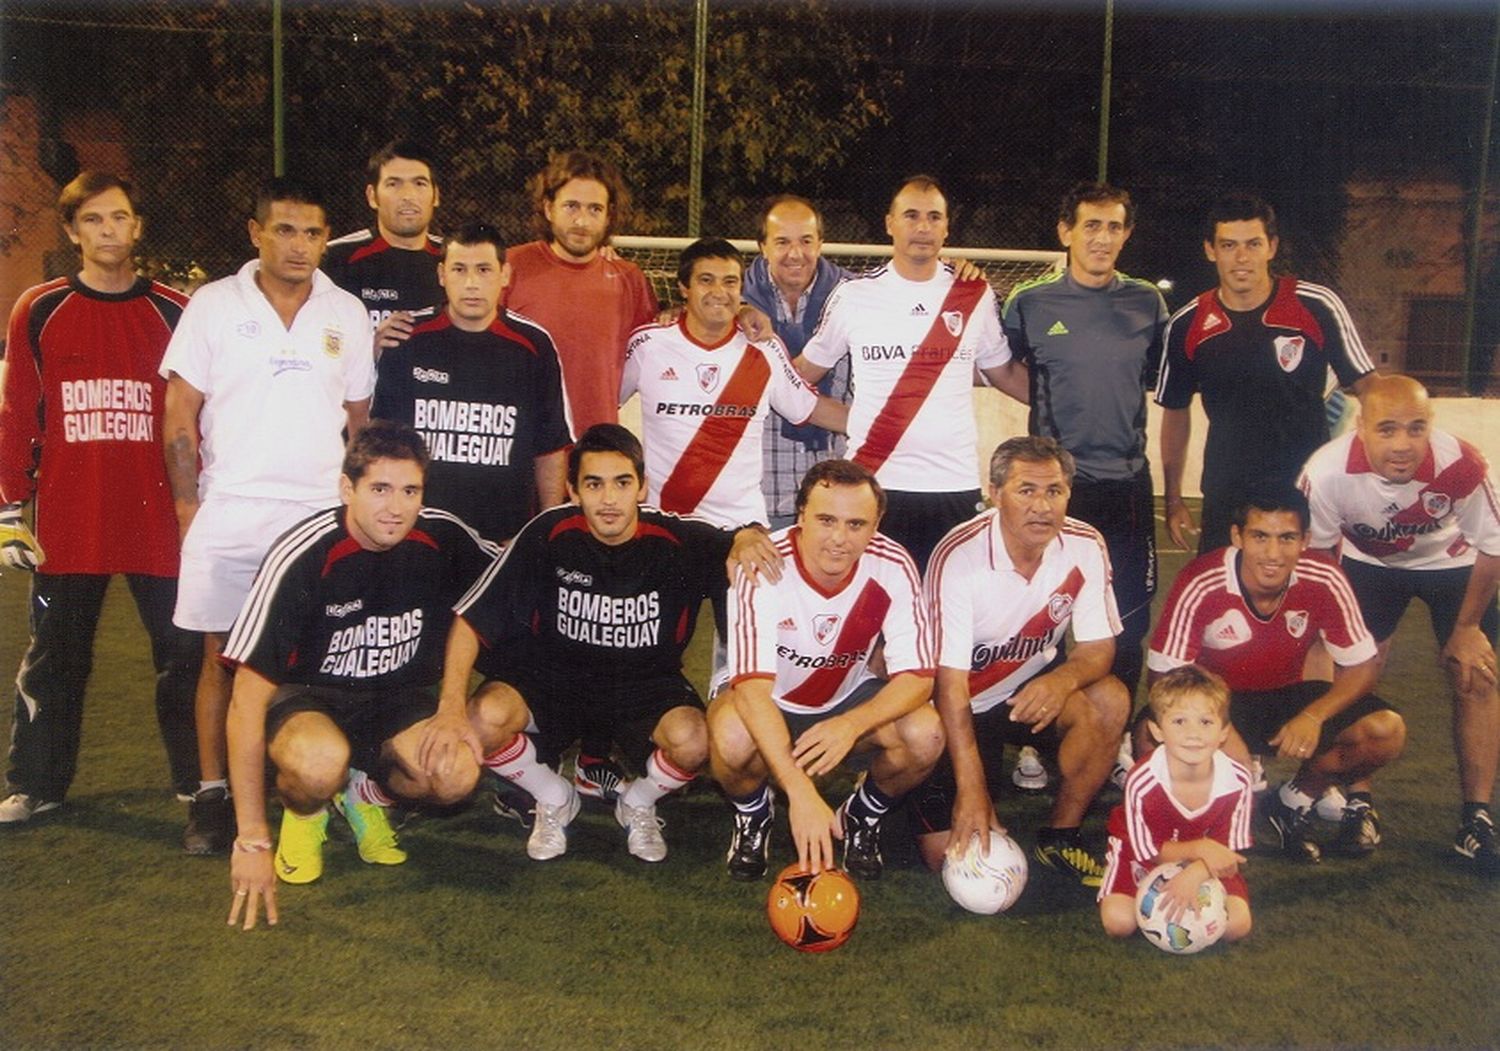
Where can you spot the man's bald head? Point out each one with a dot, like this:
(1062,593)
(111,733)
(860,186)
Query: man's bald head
(1395,421)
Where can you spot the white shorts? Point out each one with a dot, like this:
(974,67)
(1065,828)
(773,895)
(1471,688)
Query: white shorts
(223,548)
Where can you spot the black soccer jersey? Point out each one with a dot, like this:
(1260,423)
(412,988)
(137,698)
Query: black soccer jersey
(384,277)
(487,403)
(1262,375)
(583,611)
(325,611)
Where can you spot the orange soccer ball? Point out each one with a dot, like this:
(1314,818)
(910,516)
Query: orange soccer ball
(813,913)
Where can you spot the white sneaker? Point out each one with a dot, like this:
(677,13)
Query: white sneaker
(1330,805)
(1124,760)
(20,807)
(1029,775)
(549,837)
(644,840)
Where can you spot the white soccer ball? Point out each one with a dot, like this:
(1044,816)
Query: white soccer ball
(1196,929)
(986,882)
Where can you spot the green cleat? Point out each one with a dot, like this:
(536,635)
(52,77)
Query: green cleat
(372,831)
(299,848)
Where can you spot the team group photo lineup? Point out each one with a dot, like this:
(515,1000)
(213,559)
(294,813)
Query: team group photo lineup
(398,553)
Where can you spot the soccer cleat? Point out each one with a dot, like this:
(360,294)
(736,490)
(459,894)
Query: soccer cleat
(19,808)
(511,803)
(861,845)
(644,839)
(299,848)
(1029,775)
(1070,859)
(210,825)
(1290,829)
(372,831)
(549,837)
(750,844)
(1124,760)
(599,780)
(1476,841)
(1359,830)
(1331,804)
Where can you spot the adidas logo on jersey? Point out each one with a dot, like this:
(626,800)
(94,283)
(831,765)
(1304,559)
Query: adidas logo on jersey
(1058,329)
(919,311)
(669,374)
(1212,320)
(1228,631)
(787,624)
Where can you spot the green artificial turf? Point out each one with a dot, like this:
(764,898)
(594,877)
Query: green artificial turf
(111,937)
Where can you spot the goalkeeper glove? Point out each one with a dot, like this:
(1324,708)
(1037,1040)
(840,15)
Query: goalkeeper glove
(18,547)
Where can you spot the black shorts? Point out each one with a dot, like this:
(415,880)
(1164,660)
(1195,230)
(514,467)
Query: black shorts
(1384,593)
(624,713)
(917,521)
(1258,715)
(366,718)
(797,722)
(932,800)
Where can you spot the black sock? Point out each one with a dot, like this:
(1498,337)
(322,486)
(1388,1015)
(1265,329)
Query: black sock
(1048,835)
(753,803)
(869,803)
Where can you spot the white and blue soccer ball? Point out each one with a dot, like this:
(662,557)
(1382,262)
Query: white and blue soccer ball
(1196,929)
(990,881)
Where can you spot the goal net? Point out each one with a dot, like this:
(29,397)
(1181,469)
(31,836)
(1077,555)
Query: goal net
(1005,268)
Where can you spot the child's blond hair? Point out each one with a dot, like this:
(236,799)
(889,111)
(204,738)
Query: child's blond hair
(1187,681)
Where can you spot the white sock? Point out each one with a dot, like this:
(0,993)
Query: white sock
(1294,797)
(362,788)
(661,777)
(516,761)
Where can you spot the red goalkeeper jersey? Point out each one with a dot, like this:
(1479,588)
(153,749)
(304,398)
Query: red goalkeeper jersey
(80,425)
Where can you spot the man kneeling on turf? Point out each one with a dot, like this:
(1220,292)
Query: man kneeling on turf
(803,695)
(1188,802)
(337,654)
(585,619)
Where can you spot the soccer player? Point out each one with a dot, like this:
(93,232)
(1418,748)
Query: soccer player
(589,303)
(484,392)
(1090,340)
(80,427)
(705,391)
(1415,513)
(392,266)
(790,281)
(803,694)
(337,657)
(1188,802)
(915,334)
(1258,350)
(1250,613)
(1003,589)
(584,621)
(264,371)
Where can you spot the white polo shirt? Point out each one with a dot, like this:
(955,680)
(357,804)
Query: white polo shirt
(702,412)
(913,348)
(273,397)
(1438,519)
(1002,628)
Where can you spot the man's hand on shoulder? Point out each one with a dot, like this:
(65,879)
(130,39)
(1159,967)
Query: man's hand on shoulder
(18,546)
(394,330)
(755,323)
(754,555)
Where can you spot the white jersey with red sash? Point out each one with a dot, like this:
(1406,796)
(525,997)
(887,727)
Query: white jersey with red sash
(816,644)
(1438,519)
(914,348)
(1002,628)
(702,412)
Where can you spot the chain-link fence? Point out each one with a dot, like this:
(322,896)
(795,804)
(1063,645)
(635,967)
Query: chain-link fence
(1363,129)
